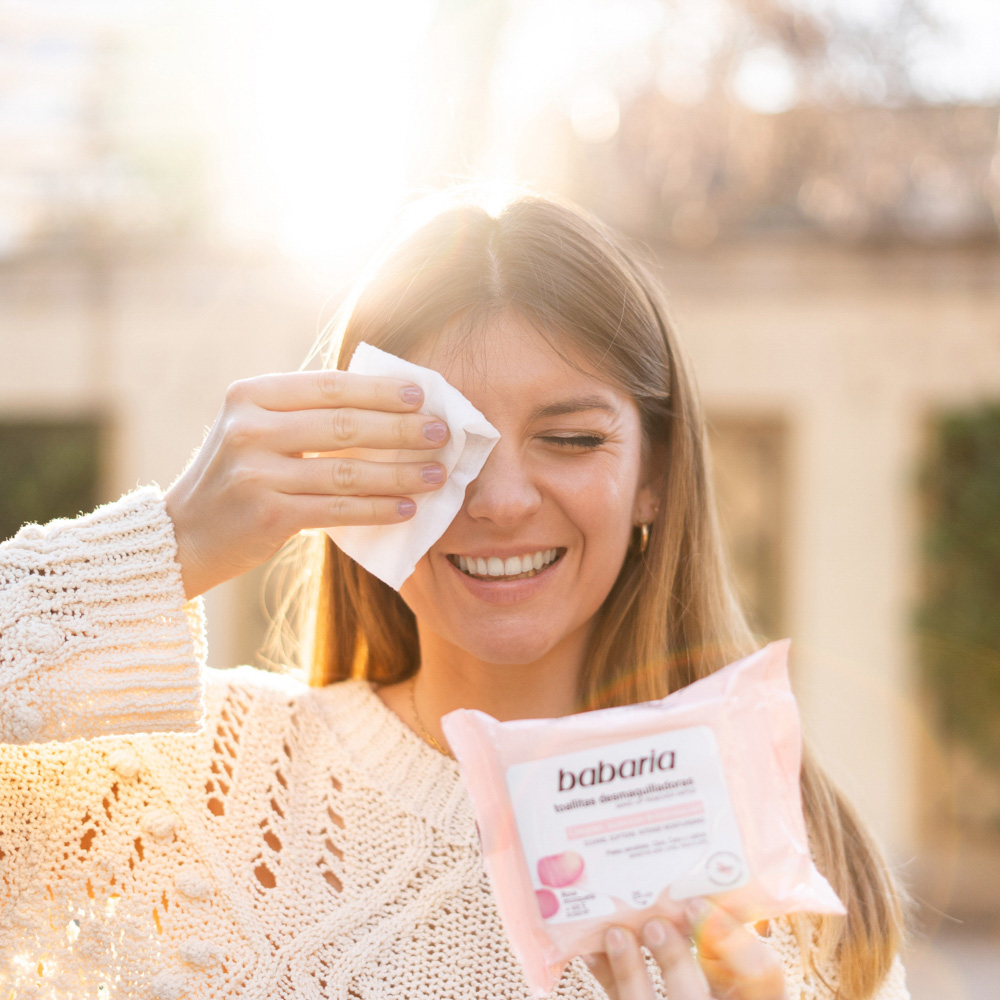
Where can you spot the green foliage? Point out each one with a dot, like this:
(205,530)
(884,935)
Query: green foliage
(959,621)
(47,470)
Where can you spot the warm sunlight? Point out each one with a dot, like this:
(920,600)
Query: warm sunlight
(318,155)
(322,120)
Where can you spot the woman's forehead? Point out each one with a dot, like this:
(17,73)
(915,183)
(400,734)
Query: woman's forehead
(510,355)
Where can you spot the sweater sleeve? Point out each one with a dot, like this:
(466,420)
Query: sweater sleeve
(95,636)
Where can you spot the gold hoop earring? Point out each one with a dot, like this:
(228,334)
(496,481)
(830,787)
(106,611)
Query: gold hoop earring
(643,537)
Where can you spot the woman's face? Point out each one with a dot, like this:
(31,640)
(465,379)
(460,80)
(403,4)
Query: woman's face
(560,492)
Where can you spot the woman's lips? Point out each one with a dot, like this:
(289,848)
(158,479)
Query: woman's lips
(509,589)
(493,567)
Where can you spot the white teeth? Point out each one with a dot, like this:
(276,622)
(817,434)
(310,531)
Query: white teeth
(511,566)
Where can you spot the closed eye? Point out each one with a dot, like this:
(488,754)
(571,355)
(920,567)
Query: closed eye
(583,441)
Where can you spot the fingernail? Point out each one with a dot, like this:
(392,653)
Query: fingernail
(406,508)
(432,474)
(615,941)
(411,394)
(653,934)
(696,910)
(435,431)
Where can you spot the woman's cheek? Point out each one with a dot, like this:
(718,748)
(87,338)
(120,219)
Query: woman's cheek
(593,483)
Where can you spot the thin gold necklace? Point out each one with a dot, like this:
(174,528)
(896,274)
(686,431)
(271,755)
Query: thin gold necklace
(428,739)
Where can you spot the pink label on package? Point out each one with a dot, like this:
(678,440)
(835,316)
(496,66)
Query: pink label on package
(638,817)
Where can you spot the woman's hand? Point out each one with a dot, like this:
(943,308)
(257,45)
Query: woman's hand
(735,964)
(249,488)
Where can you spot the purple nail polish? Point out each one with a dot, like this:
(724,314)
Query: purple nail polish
(432,474)
(435,431)
(406,508)
(411,394)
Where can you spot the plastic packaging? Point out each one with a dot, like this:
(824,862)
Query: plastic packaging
(621,814)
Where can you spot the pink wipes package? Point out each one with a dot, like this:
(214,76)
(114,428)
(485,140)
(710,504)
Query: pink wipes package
(622,814)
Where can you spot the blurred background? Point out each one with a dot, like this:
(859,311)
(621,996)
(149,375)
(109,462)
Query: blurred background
(189,187)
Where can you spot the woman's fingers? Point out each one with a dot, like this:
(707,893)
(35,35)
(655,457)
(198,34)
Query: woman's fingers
(719,976)
(334,511)
(327,389)
(734,960)
(353,477)
(737,964)
(337,429)
(682,979)
(248,489)
(628,966)
(622,971)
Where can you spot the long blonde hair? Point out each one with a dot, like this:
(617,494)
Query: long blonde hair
(672,616)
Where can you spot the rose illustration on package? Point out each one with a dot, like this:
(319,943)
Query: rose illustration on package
(559,871)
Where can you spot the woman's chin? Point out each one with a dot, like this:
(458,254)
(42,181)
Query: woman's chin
(508,651)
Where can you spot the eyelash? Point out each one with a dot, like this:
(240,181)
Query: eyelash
(582,441)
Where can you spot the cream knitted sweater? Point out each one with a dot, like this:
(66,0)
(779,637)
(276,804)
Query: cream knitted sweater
(169,831)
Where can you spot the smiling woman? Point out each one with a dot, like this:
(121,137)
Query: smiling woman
(552,327)
(317,841)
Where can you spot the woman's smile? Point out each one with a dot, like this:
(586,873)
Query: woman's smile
(499,567)
(508,588)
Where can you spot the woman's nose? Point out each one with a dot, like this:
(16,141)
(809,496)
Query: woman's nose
(504,491)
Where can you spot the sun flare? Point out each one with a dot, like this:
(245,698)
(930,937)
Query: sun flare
(317,153)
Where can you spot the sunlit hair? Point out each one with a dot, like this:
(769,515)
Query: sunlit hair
(671,616)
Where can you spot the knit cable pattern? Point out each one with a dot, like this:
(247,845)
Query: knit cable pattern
(303,843)
(95,638)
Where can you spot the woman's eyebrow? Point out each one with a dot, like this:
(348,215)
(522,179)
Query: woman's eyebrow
(575,404)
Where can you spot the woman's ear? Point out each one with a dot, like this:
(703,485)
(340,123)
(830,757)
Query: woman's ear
(645,505)
(650,492)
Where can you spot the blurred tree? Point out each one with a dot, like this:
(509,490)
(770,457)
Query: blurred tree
(779,116)
(47,469)
(835,56)
(958,624)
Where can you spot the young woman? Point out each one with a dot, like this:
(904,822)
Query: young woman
(170,831)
